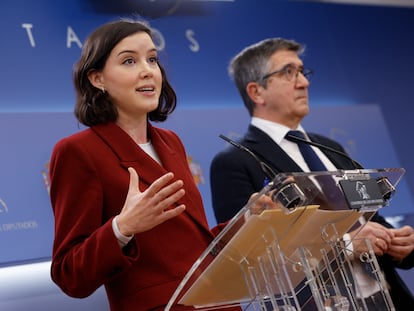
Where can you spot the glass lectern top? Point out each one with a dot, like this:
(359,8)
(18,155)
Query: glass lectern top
(291,211)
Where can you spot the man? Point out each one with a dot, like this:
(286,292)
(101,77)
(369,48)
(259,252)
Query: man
(273,84)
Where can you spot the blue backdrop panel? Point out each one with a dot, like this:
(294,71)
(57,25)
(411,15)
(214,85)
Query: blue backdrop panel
(26,219)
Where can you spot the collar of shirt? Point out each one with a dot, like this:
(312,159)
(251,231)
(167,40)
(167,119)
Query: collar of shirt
(277,133)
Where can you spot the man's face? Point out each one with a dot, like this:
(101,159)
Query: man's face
(285,97)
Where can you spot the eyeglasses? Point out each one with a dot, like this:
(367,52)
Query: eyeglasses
(290,72)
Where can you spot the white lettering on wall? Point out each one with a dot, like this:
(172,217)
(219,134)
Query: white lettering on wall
(158,39)
(72,37)
(195,47)
(28,28)
(20,225)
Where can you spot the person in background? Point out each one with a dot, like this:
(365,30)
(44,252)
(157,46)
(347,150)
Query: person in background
(128,214)
(273,83)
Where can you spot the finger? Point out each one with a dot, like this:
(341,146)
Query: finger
(387,235)
(379,246)
(133,180)
(403,231)
(380,236)
(382,232)
(399,251)
(253,196)
(159,184)
(402,241)
(171,213)
(166,202)
(167,191)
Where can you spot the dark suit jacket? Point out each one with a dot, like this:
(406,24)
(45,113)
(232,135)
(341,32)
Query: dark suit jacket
(89,183)
(235,175)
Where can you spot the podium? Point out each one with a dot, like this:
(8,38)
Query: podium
(286,250)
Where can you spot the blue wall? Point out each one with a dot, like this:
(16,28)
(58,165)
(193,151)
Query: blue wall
(361,55)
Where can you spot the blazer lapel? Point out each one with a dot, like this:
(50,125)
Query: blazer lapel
(129,154)
(269,151)
(173,161)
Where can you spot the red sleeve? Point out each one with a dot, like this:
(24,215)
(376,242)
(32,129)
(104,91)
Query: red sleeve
(86,253)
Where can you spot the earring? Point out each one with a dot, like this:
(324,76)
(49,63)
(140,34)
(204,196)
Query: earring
(103,90)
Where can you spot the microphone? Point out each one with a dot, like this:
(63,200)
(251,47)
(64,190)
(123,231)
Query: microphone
(287,193)
(386,188)
(267,170)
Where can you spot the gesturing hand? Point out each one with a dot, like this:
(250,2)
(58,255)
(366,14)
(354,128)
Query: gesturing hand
(143,211)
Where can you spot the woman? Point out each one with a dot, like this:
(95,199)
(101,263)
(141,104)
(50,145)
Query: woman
(128,214)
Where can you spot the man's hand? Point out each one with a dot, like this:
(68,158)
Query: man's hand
(379,236)
(402,243)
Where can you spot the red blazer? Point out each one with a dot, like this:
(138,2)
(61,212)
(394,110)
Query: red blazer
(89,183)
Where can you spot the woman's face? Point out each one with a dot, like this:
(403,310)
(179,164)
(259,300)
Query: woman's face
(131,76)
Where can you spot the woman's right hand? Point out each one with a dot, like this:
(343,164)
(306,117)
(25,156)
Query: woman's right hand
(143,211)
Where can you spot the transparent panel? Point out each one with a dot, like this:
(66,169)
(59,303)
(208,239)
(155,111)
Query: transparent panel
(284,249)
